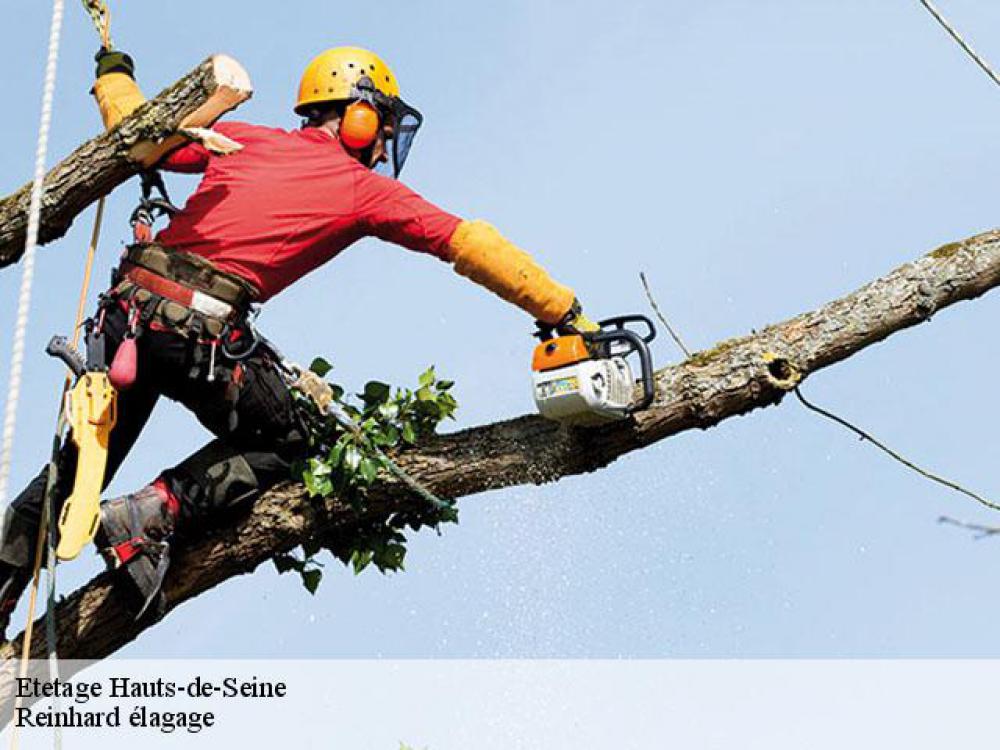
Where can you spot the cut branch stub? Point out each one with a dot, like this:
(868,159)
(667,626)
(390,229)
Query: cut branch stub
(97,167)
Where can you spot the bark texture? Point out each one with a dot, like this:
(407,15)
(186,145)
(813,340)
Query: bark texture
(100,165)
(735,377)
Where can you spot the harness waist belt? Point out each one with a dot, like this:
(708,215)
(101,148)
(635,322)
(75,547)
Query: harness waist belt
(193,272)
(179,293)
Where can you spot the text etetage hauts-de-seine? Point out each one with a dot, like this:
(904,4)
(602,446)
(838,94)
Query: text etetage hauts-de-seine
(141,716)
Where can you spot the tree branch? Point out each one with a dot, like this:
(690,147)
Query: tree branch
(733,378)
(97,167)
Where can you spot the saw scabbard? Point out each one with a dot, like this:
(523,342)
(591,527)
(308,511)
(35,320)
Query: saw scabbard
(91,411)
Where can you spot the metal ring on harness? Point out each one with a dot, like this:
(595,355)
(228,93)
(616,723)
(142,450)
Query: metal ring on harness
(249,330)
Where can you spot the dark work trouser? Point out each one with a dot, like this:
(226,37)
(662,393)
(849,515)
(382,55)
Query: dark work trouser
(258,434)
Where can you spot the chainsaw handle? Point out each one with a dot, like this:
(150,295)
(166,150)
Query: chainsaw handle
(60,348)
(637,345)
(619,322)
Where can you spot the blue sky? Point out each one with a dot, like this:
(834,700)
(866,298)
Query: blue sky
(755,160)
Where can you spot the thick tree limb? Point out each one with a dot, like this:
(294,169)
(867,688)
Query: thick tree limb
(96,168)
(733,378)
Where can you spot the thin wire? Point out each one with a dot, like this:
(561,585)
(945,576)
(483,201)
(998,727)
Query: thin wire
(961,42)
(663,319)
(886,449)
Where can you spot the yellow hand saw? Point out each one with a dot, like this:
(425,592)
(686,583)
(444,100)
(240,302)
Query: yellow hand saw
(91,410)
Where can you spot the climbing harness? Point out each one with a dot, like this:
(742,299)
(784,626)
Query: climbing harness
(90,398)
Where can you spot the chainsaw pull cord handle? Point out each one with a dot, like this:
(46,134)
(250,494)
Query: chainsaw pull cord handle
(636,345)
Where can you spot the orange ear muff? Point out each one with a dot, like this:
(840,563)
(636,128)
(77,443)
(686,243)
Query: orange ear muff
(359,126)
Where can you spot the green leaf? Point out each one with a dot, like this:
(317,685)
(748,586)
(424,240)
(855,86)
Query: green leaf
(368,470)
(429,408)
(409,433)
(444,385)
(376,392)
(360,560)
(318,486)
(388,412)
(337,453)
(425,394)
(426,377)
(389,436)
(318,468)
(352,458)
(390,557)
(320,366)
(285,563)
(311,579)
(311,548)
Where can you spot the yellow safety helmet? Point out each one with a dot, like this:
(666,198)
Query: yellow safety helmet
(353,74)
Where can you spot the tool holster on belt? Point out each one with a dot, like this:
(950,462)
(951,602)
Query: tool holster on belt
(180,291)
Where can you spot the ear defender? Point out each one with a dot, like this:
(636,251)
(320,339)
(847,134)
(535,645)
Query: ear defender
(359,125)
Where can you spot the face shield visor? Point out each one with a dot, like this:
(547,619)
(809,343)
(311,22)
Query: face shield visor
(400,123)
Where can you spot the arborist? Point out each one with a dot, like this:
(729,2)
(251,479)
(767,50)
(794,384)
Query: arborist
(260,219)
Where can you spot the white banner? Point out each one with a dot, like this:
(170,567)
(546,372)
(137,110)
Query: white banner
(480,705)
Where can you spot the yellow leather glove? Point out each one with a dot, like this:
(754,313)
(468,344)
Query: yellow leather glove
(117,93)
(484,255)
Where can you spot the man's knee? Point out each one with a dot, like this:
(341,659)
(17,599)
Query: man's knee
(219,477)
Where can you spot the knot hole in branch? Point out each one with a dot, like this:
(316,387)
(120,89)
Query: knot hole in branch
(781,373)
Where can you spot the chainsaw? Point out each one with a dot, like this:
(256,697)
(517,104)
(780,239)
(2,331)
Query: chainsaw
(585,379)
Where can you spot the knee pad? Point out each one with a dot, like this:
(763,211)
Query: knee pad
(135,534)
(212,480)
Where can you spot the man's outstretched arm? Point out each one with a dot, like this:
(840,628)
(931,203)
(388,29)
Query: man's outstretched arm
(394,212)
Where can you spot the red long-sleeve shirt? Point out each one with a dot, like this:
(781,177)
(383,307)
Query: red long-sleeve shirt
(290,201)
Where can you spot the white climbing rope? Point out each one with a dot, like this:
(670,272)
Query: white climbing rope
(28,260)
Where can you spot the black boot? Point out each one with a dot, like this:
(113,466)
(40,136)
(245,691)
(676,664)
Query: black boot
(135,535)
(13,582)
